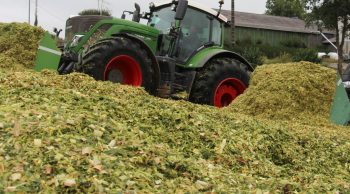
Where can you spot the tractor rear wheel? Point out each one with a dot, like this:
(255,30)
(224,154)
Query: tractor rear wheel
(220,82)
(120,60)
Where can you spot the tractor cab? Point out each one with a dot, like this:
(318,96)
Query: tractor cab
(199,28)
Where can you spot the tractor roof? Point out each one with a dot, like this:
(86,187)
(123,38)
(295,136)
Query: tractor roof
(196,5)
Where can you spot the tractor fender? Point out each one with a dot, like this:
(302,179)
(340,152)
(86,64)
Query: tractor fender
(225,53)
(148,50)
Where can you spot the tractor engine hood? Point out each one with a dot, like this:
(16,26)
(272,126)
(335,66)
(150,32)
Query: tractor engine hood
(83,34)
(81,24)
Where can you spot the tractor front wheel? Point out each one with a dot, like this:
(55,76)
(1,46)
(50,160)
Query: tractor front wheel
(220,82)
(120,60)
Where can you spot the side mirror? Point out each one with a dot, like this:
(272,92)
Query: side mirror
(57,32)
(181,9)
(123,16)
(136,14)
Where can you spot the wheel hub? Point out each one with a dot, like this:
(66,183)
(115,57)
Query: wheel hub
(227,91)
(125,70)
(115,76)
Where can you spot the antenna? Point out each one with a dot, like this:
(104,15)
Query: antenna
(100,4)
(101,7)
(29,12)
(36,13)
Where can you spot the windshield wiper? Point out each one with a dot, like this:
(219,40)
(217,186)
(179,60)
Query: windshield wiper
(205,45)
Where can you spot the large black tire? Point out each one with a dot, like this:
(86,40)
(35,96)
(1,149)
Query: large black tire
(120,60)
(219,82)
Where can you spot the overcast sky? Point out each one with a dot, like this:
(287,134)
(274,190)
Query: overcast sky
(53,13)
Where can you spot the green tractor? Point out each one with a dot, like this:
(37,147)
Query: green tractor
(180,50)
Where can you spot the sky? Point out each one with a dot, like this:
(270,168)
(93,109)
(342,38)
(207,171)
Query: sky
(54,13)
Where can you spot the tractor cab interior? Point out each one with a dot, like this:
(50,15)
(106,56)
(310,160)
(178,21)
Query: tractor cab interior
(196,30)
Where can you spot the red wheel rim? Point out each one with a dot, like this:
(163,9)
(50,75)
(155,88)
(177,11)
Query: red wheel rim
(227,91)
(123,69)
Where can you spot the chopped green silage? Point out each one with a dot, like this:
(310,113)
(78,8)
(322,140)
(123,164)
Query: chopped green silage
(18,44)
(71,134)
(294,91)
(116,138)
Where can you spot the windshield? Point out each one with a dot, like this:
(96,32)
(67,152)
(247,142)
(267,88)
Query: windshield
(197,29)
(162,19)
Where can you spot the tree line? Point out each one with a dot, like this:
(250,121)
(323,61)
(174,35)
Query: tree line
(325,14)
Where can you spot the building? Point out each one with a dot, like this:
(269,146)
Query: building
(347,42)
(274,30)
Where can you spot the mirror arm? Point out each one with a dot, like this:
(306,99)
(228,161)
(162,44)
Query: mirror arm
(124,15)
(221,2)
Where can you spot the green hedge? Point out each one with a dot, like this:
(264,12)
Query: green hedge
(257,53)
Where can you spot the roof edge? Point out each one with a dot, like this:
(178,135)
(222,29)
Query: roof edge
(196,5)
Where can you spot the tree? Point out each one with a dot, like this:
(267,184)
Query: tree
(287,8)
(95,12)
(332,15)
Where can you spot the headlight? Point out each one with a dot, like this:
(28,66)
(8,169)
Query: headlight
(76,40)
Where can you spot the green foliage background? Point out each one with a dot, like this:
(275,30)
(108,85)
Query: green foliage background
(286,8)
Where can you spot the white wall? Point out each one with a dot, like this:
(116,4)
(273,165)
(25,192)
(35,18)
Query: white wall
(347,47)
(347,42)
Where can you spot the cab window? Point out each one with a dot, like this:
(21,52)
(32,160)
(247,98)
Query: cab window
(162,19)
(217,32)
(197,29)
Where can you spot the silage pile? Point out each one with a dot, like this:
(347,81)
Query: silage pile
(18,44)
(71,134)
(294,92)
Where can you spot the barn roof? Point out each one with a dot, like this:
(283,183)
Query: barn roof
(262,21)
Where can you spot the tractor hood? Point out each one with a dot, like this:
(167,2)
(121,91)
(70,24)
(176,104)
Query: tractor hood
(130,25)
(86,34)
(147,34)
(83,24)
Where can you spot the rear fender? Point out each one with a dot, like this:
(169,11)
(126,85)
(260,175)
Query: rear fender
(205,55)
